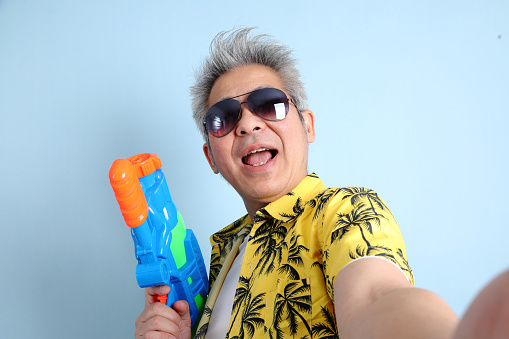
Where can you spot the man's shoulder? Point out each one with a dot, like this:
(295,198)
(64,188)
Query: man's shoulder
(348,201)
(319,192)
(348,194)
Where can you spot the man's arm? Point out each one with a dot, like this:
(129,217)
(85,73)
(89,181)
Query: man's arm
(374,299)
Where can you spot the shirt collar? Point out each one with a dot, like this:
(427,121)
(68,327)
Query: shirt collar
(231,231)
(282,209)
(289,206)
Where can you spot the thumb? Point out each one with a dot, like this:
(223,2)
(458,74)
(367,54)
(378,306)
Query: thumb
(182,308)
(151,293)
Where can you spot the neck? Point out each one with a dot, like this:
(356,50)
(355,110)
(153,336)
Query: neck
(253,207)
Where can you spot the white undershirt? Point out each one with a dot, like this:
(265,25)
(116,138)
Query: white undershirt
(221,314)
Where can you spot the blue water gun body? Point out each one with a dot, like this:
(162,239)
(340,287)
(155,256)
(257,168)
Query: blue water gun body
(166,251)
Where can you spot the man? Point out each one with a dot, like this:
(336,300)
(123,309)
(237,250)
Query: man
(305,261)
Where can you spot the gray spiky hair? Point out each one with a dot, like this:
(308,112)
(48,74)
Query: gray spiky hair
(231,49)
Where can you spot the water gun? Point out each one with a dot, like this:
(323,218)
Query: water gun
(166,251)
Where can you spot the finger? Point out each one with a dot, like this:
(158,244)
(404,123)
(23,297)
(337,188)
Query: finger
(151,293)
(182,308)
(158,310)
(157,327)
(154,335)
(160,318)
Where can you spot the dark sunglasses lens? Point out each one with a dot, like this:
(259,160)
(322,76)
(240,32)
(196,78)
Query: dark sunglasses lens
(222,117)
(269,103)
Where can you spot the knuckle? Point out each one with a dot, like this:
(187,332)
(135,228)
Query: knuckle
(151,335)
(158,308)
(156,322)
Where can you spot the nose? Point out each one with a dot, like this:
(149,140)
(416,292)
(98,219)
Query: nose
(249,122)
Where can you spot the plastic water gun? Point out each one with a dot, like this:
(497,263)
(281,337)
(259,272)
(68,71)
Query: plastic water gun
(166,251)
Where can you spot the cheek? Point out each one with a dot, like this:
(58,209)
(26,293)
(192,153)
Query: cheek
(294,136)
(221,153)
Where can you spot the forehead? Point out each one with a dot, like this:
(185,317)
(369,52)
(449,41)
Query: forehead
(243,79)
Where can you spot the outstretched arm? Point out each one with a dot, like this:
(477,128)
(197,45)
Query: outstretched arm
(374,299)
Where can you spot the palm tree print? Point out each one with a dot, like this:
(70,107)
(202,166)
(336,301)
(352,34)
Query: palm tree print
(357,193)
(379,251)
(403,264)
(241,294)
(298,208)
(251,316)
(291,305)
(228,236)
(294,258)
(321,200)
(215,267)
(225,240)
(361,217)
(327,329)
(200,334)
(311,233)
(271,245)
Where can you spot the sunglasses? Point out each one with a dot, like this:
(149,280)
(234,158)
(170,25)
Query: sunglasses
(269,104)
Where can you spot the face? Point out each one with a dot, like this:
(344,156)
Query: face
(263,160)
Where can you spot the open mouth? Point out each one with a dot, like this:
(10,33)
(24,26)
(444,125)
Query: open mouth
(259,157)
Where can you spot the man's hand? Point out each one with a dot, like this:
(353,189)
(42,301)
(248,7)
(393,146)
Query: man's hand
(160,321)
(488,315)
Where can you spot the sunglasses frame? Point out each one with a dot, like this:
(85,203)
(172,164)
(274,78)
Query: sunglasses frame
(240,110)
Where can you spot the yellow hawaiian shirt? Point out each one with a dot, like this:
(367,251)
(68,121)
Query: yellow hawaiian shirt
(298,244)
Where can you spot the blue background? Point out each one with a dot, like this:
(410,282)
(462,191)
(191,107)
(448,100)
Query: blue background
(410,99)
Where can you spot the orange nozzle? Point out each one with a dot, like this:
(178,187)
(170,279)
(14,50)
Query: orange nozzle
(145,163)
(127,188)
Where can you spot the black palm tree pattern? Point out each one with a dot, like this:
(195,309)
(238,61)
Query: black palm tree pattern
(298,208)
(251,316)
(215,267)
(225,240)
(269,239)
(290,305)
(357,193)
(295,251)
(294,260)
(402,262)
(241,294)
(362,218)
(322,199)
(200,333)
(327,329)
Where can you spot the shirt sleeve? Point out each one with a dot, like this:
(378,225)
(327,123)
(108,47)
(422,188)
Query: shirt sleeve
(356,224)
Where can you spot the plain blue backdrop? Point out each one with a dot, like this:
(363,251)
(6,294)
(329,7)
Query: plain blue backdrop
(410,99)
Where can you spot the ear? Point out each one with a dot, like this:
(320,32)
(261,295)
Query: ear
(309,124)
(210,158)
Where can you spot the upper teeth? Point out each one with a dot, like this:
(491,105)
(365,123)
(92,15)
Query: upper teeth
(256,151)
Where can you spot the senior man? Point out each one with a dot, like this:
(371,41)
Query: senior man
(306,261)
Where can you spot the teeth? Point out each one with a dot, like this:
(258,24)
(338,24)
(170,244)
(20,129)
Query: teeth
(262,163)
(256,151)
